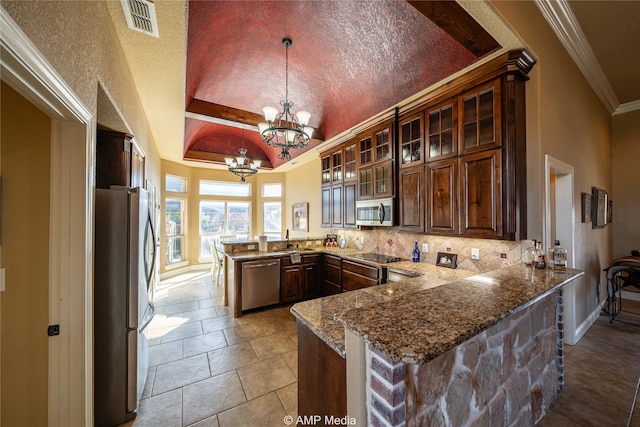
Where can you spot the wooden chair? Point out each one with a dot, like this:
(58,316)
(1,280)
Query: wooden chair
(217,264)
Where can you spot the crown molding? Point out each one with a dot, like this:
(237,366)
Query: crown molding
(559,15)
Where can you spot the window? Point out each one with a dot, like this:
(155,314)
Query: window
(175,184)
(174,230)
(272,220)
(222,217)
(272,190)
(216,188)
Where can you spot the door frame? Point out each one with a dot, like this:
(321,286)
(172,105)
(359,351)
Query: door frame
(26,70)
(559,198)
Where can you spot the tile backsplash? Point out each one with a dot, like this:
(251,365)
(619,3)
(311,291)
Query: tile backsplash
(494,254)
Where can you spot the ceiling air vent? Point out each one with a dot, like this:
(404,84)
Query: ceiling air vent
(141,16)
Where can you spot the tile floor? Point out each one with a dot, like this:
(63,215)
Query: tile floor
(208,369)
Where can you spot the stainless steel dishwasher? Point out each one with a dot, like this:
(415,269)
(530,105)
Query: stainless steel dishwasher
(260,283)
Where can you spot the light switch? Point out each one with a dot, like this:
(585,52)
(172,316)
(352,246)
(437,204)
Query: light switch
(425,247)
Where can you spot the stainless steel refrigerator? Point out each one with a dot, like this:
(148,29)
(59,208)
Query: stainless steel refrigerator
(124,257)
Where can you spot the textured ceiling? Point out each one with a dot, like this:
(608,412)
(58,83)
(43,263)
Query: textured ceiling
(349,61)
(158,65)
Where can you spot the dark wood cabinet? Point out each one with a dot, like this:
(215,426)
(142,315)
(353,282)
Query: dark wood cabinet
(300,281)
(411,143)
(331,275)
(291,283)
(119,161)
(339,186)
(349,207)
(481,175)
(442,132)
(311,280)
(480,117)
(322,378)
(411,200)
(357,276)
(336,205)
(325,207)
(375,162)
(442,197)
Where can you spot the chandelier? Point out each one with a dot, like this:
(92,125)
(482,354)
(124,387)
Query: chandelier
(282,130)
(241,165)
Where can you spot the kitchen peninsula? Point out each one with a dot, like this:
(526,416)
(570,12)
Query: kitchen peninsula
(480,350)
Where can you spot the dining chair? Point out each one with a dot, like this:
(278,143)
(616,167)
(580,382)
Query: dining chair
(217,264)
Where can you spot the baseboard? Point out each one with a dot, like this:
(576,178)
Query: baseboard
(634,296)
(586,324)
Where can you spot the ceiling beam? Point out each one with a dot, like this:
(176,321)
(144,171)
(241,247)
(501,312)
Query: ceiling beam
(455,21)
(229,116)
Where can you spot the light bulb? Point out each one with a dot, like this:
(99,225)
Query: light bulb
(270,113)
(303,117)
(257,163)
(262,127)
(308,130)
(228,160)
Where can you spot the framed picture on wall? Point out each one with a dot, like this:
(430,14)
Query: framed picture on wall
(445,259)
(586,207)
(300,212)
(599,202)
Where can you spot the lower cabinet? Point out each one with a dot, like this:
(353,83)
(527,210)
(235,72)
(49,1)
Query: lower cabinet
(322,378)
(299,281)
(331,275)
(291,283)
(358,276)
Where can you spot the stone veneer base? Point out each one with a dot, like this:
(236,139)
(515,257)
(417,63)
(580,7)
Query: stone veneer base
(507,375)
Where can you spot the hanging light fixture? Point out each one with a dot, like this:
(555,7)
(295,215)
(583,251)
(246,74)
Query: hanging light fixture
(282,130)
(241,165)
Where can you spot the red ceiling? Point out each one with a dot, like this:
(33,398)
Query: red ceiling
(349,61)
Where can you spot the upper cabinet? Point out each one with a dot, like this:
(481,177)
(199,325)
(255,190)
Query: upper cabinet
(375,162)
(119,160)
(442,135)
(480,118)
(410,141)
(470,138)
(339,184)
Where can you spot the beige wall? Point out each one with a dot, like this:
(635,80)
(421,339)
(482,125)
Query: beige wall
(626,183)
(25,155)
(79,40)
(303,186)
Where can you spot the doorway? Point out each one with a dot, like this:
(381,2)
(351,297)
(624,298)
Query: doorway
(560,225)
(70,354)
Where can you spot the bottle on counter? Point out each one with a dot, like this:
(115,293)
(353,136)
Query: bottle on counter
(529,254)
(559,256)
(415,254)
(539,258)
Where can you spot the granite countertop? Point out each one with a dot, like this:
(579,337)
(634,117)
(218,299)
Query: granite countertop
(319,315)
(416,320)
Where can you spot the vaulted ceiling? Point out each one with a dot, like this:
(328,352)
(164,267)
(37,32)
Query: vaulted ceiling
(204,81)
(349,60)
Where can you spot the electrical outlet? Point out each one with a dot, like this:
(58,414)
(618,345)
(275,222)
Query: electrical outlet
(425,247)
(308,243)
(475,253)
(249,247)
(362,240)
(318,242)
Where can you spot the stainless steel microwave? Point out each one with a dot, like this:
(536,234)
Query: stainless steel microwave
(377,212)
